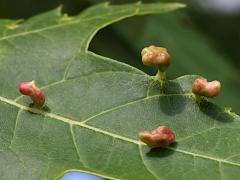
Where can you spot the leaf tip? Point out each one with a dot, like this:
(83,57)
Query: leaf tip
(138,2)
(106,4)
(181,5)
(14,25)
(59,10)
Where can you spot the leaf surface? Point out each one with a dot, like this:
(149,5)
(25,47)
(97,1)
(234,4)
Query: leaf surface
(191,52)
(96,106)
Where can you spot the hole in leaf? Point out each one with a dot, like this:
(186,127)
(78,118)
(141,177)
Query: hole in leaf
(79,176)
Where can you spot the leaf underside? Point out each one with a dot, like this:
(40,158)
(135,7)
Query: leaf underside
(190,51)
(96,106)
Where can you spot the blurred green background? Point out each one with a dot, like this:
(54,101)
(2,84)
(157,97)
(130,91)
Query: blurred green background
(203,38)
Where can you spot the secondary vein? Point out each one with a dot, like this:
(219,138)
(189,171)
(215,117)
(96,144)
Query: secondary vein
(74,122)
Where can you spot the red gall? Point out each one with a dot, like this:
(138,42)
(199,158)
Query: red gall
(204,88)
(30,89)
(160,137)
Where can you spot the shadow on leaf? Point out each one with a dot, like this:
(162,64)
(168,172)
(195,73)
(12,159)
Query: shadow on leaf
(172,105)
(161,152)
(215,112)
(171,101)
(171,87)
(45,108)
(165,87)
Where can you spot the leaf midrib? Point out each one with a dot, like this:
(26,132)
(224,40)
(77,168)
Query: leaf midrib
(83,125)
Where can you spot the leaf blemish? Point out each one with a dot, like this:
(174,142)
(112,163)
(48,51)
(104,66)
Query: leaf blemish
(66,18)
(156,56)
(202,87)
(160,137)
(30,89)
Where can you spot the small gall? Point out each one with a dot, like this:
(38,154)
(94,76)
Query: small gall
(160,137)
(202,87)
(156,56)
(30,89)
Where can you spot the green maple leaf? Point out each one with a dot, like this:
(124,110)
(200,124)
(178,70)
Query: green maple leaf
(96,106)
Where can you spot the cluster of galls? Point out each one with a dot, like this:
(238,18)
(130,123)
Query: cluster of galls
(160,58)
(151,56)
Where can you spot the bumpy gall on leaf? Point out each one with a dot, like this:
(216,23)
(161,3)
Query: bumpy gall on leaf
(156,56)
(160,137)
(30,89)
(204,88)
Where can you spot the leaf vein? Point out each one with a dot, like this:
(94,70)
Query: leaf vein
(75,146)
(220,168)
(130,103)
(73,122)
(198,134)
(15,126)
(77,78)
(144,163)
(37,30)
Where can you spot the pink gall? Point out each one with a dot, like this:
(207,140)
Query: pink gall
(156,56)
(30,89)
(160,137)
(204,88)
